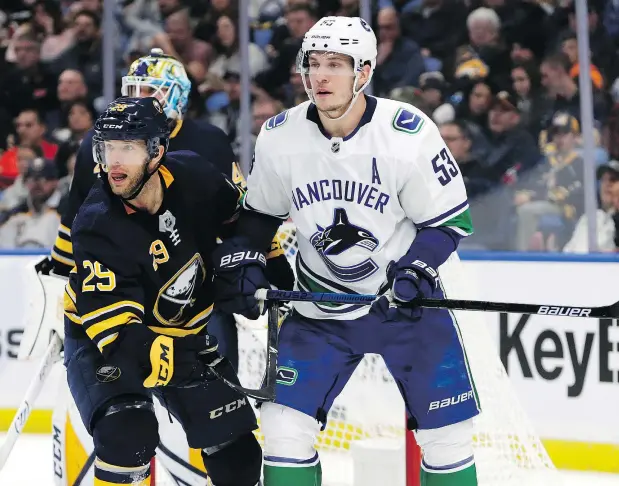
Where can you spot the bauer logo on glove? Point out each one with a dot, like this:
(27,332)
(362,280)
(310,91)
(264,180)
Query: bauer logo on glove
(241,258)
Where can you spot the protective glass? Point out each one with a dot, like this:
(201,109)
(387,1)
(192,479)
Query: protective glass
(316,63)
(123,152)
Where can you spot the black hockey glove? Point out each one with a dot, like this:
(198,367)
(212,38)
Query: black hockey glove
(239,272)
(182,362)
(408,279)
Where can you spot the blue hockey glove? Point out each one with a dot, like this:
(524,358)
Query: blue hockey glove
(409,280)
(239,272)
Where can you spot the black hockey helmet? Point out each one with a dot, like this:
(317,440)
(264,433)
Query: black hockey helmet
(132,119)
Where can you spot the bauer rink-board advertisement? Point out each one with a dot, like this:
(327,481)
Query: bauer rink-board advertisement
(565,371)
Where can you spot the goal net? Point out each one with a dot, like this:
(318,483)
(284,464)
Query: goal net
(366,426)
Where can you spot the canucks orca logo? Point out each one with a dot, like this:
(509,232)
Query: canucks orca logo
(339,237)
(178,293)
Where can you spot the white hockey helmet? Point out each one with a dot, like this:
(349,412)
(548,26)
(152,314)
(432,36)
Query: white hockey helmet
(351,36)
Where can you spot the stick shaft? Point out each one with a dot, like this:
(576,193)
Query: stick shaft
(469,305)
(21,417)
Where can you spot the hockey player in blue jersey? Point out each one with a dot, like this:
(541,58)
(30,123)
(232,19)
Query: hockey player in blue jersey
(380,206)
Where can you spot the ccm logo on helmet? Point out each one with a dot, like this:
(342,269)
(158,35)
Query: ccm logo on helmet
(550,310)
(107,125)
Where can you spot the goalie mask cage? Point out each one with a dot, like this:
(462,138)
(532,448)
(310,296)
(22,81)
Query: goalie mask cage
(366,442)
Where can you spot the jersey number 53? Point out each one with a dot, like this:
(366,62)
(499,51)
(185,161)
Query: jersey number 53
(445,174)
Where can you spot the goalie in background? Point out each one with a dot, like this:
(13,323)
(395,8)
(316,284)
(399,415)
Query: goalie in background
(138,301)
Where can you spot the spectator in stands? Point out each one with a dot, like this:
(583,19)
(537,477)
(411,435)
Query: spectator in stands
(81,117)
(143,19)
(285,45)
(553,201)
(179,42)
(608,176)
(262,110)
(488,203)
(399,61)
(438,27)
(29,83)
(513,149)
(71,87)
(227,117)
(17,192)
(226,46)
(298,19)
(532,101)
(47,16)
(433,89)
(86,55)
(168,7)
(30,129)
(603,50)
(35,223)
(206,27)
(561,87)
(569,47)
(484,28)
(474,172)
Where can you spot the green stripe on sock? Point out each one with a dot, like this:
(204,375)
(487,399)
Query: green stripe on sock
(465,477)
(292,476)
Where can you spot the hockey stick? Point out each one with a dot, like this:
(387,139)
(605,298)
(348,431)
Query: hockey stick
(611,311)
(267,392)
(21,417)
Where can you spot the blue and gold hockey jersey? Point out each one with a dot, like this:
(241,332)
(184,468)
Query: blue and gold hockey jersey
(135,270)
(204,139)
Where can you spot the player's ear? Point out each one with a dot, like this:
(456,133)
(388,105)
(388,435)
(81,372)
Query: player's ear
(158,158)
(364,75)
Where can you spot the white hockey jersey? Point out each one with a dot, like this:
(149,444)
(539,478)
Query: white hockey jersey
(357,202)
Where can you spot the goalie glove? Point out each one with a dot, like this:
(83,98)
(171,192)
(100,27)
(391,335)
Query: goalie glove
(239,272)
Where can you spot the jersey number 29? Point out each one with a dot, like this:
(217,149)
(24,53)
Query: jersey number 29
(445,173)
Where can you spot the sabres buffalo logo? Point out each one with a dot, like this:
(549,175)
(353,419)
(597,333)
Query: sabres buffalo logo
(177,295)
(339,237)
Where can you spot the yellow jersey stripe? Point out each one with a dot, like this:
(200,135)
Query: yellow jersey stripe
(64,245)
(61,259)
(73,317)
(69,290)
(63,229)
(176,331)
(112,307)
(200,317)
(115,321)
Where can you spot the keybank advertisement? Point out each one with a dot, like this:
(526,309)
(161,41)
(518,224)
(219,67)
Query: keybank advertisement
(565,370)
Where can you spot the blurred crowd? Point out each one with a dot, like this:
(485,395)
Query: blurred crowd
(499,77)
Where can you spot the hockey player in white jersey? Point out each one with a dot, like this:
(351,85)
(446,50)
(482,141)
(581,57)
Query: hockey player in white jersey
(379,205)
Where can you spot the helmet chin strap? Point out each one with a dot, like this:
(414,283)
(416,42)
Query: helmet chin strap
(146,175)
